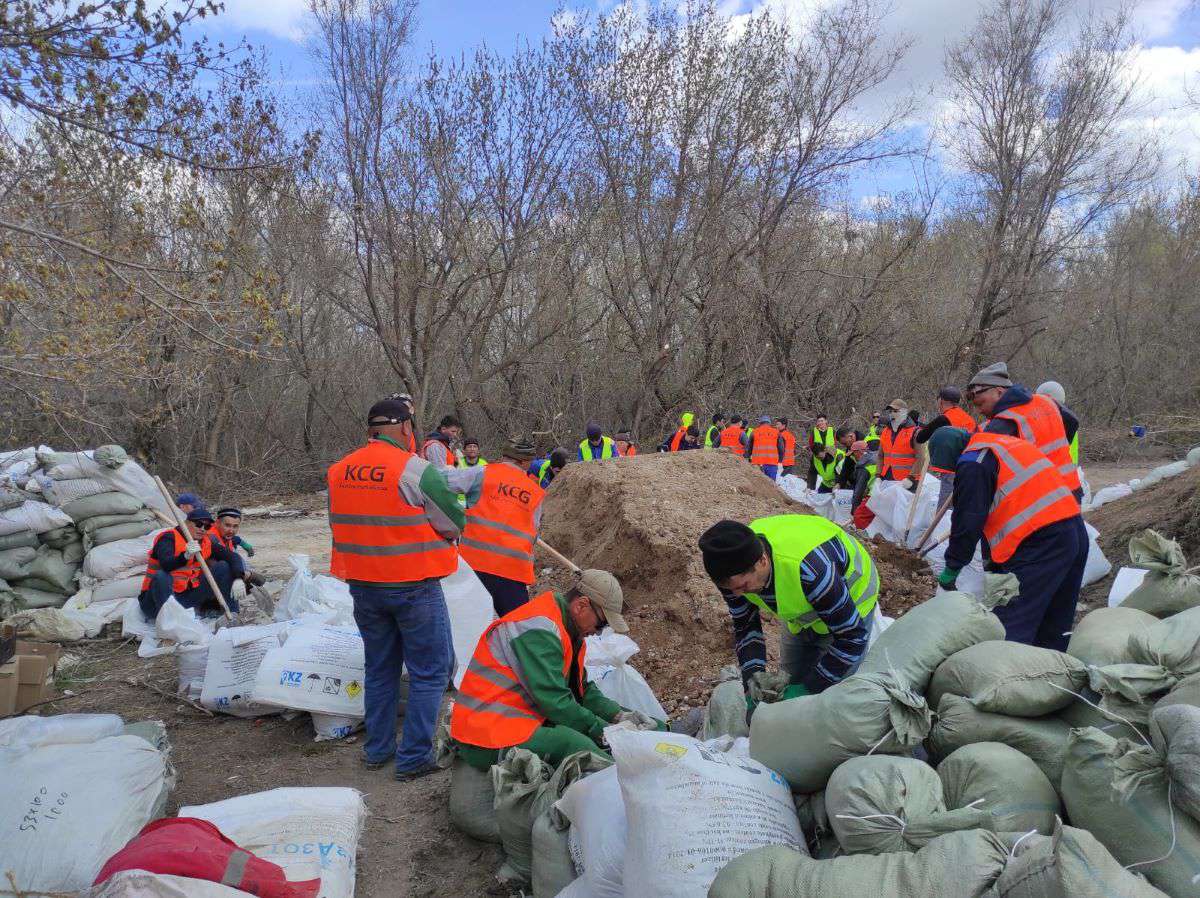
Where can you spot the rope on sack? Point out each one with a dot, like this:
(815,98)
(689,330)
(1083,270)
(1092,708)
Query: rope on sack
(1013,851)
(1107,713)
(891,732)
(1174,836)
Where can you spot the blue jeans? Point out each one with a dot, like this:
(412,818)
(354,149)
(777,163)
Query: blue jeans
(771,471)
(403,626)
(153,598)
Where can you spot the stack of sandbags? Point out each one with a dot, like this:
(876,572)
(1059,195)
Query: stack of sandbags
(40,553)
(1169,586)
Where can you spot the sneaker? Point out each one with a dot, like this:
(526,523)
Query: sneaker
(375,765)
(403,776)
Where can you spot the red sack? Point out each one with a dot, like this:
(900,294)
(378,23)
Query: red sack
(863,516)
(185,846)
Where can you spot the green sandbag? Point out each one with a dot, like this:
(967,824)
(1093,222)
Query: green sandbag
(879,804)
(116,532)
(1185,692)
(11,498)
(32,597)
(1010,678)
(1012,787)
(1167,587)
(91,525)
(1102,636)
(14,563)
(59,537)
(805,739)
(553,869)
(814,820)
(73,553)
(1042,739)
(1138,829)
(110,455)
(80,510)
(957,865)
(1071,863)
(1172,756)
(917,643)
(519,779)
(50,567)
(473,802)
(1080,715)
(18,540)
(726,712)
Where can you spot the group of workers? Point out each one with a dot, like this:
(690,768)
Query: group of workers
(402,515)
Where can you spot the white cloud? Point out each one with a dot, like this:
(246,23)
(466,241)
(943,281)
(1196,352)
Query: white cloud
(282,18)
(1165,75)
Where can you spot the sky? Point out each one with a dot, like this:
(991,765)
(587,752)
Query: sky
(1167,58)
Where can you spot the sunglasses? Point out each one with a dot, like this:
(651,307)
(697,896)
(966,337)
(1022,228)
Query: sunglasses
(203,525)
(601,620)
(979,391)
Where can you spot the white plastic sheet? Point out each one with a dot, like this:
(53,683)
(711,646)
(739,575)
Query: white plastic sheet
(1098,566)
(308,593)
(607,663)
(1127,580)
(598,834)
(471,611)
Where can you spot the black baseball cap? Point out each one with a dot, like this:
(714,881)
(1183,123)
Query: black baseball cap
(388,411)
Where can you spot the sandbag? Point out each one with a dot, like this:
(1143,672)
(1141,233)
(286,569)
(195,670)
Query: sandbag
(519,779)
(231,663)
(598,834)
(116,532)
(879,804)
(917,643)
(108,503)
(553,869)
(318,668)
(33,516)
(309,832)
(1010,678)
(18,540)
(55,625)
(59,537)
(1171,755)
(1102,636)
(49,566)
(725,714)
(607,662)
(140,884)
(117,559)
(124,588)
(14,563)
(35,597)
(73,554)
(1013,789)
(60,492)
(805,739)
(1071,863)
(99,522)
(1138,828)
(1088,710)
(473,802)
(1167,588)
(1185,692)
(959,723)
(956,865)
(73,465)
(679,794)
(31,731)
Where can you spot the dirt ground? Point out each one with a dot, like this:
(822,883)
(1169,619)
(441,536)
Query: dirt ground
(408,846)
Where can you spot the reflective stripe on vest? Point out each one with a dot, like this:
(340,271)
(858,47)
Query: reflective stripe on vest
(499,535)
(377,536)
(897,454)
(182,578)
(792,537)
(493,709)
(764,446)
(731,438)
(607,449)
(235,867)
(789,448)
(1039,421)
(958,418)
(1030,493)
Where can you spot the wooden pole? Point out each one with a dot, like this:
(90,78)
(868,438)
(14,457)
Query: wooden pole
(181,526)
(941,513)
(559,557)
(934,545)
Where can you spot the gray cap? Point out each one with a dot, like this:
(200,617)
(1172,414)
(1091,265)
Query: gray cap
(992,376)
(1054,390)
(603,589)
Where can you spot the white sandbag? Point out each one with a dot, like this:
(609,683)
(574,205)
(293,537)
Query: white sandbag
(231,666)
(841,506)
(607,663)
(598,834)
(1127,580)
(1097,567)
(318,668)
(115,560)
(31,731)
(16,466)
(1110,494)
(125,588)
(1164,472)
(1193,457)
(306,593)
(794,487)
(470,608)
(892,503)
(181,625)
(680,795)
(66,809)
(193,659)
(37,517)
(309,832)
(140,884)
(332,726)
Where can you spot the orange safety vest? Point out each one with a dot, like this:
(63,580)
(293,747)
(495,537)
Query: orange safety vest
(764,446)
(897,453)
(629,452)
(182,578)
(789,447)
(731,438)
(493,709)
(1030,493)
(1040,422)
(500,532)
(958,418)
(677,438)
(377,536)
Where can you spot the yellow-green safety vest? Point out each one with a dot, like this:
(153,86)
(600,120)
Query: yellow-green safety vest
(872,433)
(1074,448)
(712,437)
(829,470)
(608,449)
(480,462)
(792,537)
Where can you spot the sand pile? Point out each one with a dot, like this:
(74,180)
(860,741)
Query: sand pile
(641,518)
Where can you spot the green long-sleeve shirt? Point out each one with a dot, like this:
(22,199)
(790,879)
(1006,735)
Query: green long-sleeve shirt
(539,655)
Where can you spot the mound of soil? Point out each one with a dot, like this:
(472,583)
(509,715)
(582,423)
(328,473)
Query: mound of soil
(1171,507)
(642,517)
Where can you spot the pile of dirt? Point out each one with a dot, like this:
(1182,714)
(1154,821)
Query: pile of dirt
(641,518)
(1171,507)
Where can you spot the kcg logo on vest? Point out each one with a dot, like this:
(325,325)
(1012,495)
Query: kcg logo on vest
(373,473)
(512,492)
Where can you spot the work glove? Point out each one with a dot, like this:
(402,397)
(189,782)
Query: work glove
(766,686)
(637,720)
(238,591)
(191,550)
(795,690)
(948,578)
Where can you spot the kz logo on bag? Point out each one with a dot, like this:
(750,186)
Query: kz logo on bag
(291,678)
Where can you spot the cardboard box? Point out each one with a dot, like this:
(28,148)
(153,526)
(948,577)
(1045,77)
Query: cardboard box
(9,674)
(33,675)
(49,650)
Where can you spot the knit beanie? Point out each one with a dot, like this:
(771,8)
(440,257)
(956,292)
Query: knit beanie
(729,548)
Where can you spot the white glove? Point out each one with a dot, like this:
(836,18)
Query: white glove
(238,591)
(192,550)
(636,720)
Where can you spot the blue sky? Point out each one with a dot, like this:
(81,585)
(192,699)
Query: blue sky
(1167,60)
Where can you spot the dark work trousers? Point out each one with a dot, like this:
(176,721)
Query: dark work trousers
(507,594)
(812,477)
(201,598)
(1049,566)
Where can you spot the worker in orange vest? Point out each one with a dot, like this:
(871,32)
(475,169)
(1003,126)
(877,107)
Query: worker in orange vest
(527,685)
(787,460)
(504,512)
(438,447)
(625,446)
(733,437)
(1015,411)
(173,569)
(394,520)
(1010,494)
(897,451)
(766,447)
(945,447)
